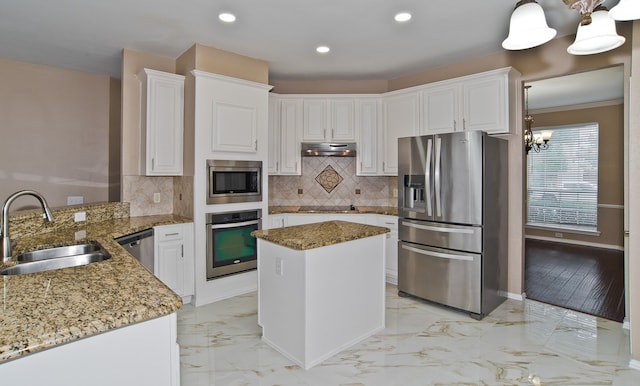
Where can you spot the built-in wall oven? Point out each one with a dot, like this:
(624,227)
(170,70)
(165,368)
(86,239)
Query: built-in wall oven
(230,247)
(231,181)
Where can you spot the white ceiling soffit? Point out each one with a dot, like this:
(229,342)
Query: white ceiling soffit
(585,87)
(365,41)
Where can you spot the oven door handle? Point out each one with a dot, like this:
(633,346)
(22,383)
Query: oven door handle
(234,224)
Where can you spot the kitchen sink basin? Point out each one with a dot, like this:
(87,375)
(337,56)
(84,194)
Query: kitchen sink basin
(57,252)
(57,258)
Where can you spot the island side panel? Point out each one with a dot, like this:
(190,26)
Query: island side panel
(345,300)
(281,298)
(141,354)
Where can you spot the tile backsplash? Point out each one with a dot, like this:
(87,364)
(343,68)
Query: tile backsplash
(374,190)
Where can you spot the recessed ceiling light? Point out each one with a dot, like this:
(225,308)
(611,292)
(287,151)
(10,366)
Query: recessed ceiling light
(323,49)
(227,17)
(402,17)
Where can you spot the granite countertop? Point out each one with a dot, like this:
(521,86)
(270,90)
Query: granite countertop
(42,310)
(316,235)
(386,210)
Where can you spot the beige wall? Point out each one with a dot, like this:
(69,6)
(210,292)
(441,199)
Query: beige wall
(610,169)
(132,63)
(55,126)
(216,61)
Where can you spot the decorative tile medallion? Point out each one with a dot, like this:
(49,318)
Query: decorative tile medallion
(329,179)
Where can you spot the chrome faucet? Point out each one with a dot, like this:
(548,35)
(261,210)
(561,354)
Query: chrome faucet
(6,241)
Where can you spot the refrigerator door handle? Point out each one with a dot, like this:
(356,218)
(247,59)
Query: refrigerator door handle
(437,177)
(468,231)
(427,177)
(438,254)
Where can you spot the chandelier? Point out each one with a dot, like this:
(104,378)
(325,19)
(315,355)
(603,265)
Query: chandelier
(538,141)
(596,32)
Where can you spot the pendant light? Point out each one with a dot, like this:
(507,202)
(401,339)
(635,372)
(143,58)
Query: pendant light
(626,10)
(598,36)
(528,27)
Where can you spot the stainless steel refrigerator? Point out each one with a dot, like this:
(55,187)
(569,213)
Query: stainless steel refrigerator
(452,209)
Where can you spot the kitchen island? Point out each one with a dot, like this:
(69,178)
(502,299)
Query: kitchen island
(320,287)
(110,322)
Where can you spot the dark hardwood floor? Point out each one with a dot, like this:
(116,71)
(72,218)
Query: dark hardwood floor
(585,279)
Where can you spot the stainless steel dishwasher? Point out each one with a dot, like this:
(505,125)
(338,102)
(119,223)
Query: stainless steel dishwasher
(140,246)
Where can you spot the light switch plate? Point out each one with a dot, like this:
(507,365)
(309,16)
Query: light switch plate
(156,198)
(75,200)
(80,216)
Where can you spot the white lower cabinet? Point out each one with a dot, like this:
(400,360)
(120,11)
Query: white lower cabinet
(277,221)
(391,222)
(391,264)
(174,260)
(141,354)
(305,218)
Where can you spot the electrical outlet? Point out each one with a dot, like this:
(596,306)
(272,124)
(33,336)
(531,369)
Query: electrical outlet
(80,235)
(357,191)
(156,198)
(299,190)
(80,216)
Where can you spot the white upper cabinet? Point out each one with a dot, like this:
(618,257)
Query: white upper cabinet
(401,119)
(233,111)
(328,119)
(441,109)
(484,102)
(273,159)
(162,122)
(285,121)
(367,118)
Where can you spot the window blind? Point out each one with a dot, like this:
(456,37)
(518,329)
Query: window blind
(562,181)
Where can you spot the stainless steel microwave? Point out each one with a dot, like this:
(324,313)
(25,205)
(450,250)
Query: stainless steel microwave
(233,181)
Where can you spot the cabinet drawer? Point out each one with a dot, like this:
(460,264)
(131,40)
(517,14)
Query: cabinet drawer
(169,232)
(443,276)
(460,237)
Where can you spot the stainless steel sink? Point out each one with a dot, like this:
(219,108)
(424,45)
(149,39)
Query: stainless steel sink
(57,258)
(57,252)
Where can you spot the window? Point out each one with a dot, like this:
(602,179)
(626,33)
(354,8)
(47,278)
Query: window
(562,181)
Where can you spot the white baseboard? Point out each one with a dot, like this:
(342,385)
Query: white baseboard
(515,296)
(576,242)
(392,277)
(634,364)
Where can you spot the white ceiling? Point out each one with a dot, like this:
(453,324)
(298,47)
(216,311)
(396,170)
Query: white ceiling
(365,41)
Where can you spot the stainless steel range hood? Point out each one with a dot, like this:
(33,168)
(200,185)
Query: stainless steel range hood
(328,149)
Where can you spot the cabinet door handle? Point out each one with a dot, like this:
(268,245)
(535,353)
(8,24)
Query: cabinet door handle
(277,168)
(153,163)
(455,125)
(464,124)
(171,234)
(255,145)
(182,250)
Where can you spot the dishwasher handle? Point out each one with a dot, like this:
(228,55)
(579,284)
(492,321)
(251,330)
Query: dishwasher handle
(135,238)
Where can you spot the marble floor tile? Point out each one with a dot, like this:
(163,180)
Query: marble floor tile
(519,343)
